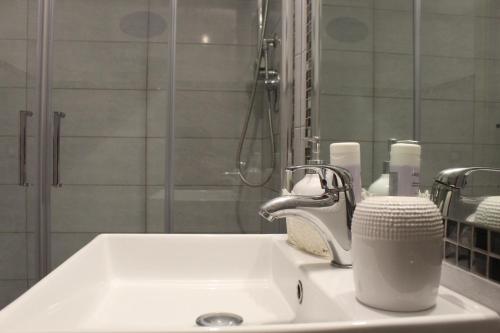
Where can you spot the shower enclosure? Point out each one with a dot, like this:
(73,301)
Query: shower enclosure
(124,116)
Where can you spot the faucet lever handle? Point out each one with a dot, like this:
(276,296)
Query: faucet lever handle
(339,174)
(321,169)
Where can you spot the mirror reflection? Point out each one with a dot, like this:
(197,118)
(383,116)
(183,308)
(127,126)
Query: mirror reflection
(392,70)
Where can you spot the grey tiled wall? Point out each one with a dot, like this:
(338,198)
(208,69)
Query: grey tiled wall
(367,84)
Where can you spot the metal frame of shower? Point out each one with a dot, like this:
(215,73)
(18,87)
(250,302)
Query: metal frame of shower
(170,126)
(43,103)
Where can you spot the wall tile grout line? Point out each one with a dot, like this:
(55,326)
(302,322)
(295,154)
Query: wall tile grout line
(423,55)
(435,99)
(427,12)
(240,91)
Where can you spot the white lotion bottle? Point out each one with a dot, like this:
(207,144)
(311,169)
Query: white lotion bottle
(348,156)
(404,178)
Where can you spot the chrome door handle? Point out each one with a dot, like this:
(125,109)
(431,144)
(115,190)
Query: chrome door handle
(56,149)
(23,124)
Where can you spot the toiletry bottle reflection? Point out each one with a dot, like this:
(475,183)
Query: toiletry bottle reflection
(404,179)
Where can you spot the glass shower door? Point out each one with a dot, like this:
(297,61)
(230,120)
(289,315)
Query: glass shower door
(216,50)
(106,121)
(18,149)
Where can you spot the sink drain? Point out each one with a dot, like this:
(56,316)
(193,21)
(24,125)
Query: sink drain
(218,319)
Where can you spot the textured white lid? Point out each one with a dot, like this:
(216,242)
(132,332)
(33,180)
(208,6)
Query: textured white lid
(488,211)
(397,218)
(345,153)
(405,154)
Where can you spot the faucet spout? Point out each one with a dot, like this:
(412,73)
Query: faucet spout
(330,213)
(325,213)
(279,207)
(447,192)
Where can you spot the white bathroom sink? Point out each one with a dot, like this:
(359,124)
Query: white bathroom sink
(162,283)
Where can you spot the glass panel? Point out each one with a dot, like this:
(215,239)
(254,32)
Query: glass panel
(465,236)
(451,230)
(481,238)
(494,269)
(105,80)
(216,53)
(18,268)
(479,264)
(464,258)
(450,252)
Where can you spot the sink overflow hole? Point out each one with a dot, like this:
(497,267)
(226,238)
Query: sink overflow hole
(219,319)
(300,292)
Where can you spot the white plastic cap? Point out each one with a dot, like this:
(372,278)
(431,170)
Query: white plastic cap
(405,154)
(345,153)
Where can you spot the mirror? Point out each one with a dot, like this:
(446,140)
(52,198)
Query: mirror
(427,70)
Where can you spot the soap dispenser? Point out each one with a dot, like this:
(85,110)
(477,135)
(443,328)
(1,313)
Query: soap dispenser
(300,234)
(310,184)
(380,187)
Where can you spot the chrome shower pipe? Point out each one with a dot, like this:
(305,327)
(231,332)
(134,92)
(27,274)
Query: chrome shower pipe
(260,18)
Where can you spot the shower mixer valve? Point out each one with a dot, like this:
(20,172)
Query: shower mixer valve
(270,76)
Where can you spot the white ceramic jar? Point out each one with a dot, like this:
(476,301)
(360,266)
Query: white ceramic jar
(397,252)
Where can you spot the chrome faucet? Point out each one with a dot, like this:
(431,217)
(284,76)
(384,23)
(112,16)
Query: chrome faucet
(333,223)
(447,192)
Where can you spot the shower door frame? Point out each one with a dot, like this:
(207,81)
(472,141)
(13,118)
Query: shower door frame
(44,163)
(170,126)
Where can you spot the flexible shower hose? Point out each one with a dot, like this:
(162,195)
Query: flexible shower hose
(250,110)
